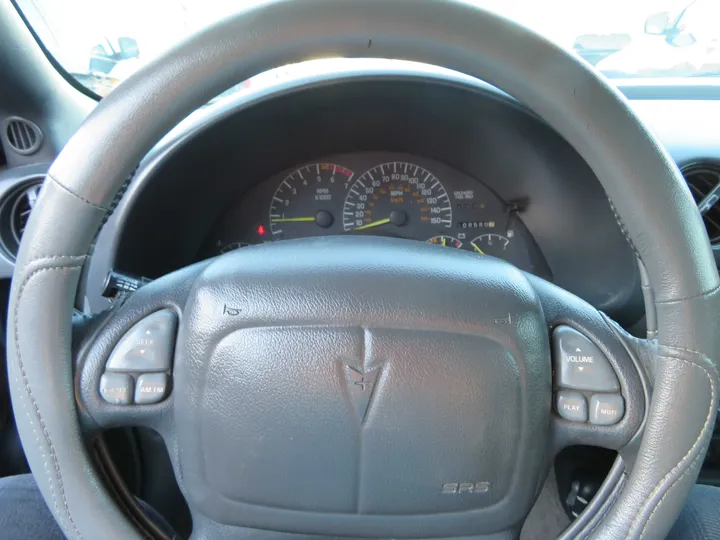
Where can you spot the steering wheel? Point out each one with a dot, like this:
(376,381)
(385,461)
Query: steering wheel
(353,386)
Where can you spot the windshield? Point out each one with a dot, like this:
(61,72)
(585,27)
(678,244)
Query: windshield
(102,42)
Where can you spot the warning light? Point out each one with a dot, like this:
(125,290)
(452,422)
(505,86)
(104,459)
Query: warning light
(261,230)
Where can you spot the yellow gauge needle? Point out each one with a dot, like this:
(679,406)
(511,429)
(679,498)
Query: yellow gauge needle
(373,224)
(444,241)
(480,251)
(291,219)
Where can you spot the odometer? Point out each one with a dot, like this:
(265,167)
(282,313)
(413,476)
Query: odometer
(396,195)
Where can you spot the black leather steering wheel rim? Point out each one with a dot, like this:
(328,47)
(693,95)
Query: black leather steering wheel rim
(653,206)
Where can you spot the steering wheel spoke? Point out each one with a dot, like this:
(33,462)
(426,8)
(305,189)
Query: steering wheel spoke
(600,389)
(125,356)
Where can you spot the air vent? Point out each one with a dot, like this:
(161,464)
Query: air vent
(20,211)
(15,212)
(703,179)
(23,136)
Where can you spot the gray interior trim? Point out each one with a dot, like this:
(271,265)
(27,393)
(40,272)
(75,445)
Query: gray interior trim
(33,89)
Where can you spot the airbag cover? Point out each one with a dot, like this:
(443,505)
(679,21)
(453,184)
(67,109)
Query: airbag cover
(377,386)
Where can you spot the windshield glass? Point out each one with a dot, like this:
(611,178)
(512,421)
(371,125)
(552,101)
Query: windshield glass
(102,42)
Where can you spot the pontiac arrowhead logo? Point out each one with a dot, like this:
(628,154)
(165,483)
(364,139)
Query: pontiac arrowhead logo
(361,386)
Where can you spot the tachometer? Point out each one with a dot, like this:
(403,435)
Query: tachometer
(303,202)
(395,195)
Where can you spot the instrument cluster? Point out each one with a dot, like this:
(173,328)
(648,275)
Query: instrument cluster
(382,194)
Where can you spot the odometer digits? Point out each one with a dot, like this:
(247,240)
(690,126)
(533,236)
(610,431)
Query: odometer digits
(397,195)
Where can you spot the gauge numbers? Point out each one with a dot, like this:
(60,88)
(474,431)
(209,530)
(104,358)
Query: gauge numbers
(395,195)
(445,241)
(302,204)
(491,244)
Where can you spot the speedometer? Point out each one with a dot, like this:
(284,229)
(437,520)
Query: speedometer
(395,195)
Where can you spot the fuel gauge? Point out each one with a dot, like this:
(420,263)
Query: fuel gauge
(492,244)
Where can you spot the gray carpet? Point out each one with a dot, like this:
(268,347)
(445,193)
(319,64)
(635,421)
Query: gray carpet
(547,518)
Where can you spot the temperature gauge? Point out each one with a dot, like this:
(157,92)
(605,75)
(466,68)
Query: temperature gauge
(447,241)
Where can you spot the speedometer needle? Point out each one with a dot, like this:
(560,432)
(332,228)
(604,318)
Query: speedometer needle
(373,224)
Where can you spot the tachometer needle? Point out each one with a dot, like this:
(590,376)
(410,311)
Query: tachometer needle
(373,224)
(480,251)
(292,219)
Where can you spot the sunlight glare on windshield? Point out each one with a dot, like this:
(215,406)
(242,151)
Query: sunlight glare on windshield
(102,42)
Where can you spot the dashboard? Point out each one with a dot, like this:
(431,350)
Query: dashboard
(431,157)
(380,148)
(377,148)
(383,194)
